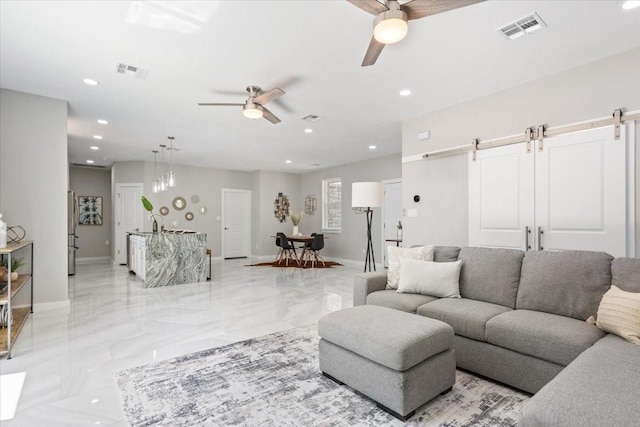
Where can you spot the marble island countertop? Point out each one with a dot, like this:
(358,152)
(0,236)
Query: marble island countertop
(173,258)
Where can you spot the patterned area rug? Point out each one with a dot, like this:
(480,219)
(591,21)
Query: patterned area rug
(274,380)
(327,264)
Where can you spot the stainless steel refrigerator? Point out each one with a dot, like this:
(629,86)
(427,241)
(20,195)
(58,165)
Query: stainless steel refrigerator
(72,222)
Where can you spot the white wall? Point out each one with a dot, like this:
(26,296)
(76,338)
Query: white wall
(92,239)
(206,183)
(351,243)
(583,93)
(33,185)
(269,185)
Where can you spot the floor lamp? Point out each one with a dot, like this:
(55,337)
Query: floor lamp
(368,195)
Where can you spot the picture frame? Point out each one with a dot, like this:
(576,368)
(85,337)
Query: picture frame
(89,210)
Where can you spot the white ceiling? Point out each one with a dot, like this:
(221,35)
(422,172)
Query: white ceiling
(196,51)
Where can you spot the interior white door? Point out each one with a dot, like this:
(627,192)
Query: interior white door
(236,221)
(391,215)
(581,191)
(129,216)
(501,197)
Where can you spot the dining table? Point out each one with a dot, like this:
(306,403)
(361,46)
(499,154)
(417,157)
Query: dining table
(300,238)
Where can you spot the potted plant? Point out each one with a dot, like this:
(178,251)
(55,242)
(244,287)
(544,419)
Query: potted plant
(149,208)
(295,219)
(399,227)
(16,263)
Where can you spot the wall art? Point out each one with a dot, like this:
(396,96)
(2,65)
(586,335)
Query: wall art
(90,210)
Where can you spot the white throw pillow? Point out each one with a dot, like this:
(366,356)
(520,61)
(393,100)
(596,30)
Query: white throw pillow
(619,314)
(436,279)
(424,253)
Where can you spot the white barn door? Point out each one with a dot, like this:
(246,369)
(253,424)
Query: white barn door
(581,192)
(501,192)
(572,194)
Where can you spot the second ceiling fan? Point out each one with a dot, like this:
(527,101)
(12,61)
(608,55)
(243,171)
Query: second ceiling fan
(390,24)
(253,107)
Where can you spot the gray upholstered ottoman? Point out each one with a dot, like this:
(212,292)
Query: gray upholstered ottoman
(398,359)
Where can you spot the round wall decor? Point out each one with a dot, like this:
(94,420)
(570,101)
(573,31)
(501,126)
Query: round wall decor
(179,203)
(164,211)
(188,216)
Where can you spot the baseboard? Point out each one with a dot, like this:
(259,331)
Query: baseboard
(92,259)
(45,307)
(352,262)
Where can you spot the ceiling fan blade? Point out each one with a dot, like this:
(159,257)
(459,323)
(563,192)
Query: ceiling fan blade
(420,8)
(373,7)
(223,104)
(269,96)
(374,50)
(270,116)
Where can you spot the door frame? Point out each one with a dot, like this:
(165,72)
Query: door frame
(116,215)
(383,244)
(222,223)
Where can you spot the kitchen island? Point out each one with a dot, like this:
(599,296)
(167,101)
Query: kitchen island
(167,259)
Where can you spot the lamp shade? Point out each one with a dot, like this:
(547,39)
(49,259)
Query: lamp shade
(367,194)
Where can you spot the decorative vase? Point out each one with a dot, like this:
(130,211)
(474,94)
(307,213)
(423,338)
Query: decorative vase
(400,234)
(5,276)
(295,230)
(5,315)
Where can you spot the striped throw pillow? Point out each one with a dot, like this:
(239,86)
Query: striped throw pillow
(619,314)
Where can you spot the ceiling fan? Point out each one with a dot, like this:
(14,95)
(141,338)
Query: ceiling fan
(253,107)
(390,24)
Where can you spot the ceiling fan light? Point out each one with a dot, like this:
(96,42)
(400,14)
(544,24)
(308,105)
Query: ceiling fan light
(252,111)
(390,27)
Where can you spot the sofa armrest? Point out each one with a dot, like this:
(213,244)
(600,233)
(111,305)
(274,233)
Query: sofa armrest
(365,283)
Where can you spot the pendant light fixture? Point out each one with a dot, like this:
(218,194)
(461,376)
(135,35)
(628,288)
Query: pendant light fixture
(171,175)
(155,186)
(163,179)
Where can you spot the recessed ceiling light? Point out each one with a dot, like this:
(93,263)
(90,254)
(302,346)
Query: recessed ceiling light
(287,161)
(90,162)
(93,147)
(103,121)
(97,137)
(372,147)
(308,130)
(90,82)
(630,4)
(405,92)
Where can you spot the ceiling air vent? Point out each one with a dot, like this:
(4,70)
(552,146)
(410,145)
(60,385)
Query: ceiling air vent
(86,166)
(312,118)
(131,71)
(522,26)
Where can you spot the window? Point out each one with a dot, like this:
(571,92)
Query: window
(332,204)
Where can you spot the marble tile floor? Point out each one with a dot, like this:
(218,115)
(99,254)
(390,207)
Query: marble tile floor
(116,323)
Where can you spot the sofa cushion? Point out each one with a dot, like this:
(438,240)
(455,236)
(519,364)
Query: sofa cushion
(568,283)
(619,313)
(446,253)
(424,253)
(600,388)
(437,279)
(467,317)
(403,302)
(490,275)
(625,274)
(550,337)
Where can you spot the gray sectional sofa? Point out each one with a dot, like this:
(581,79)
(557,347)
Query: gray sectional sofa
(521,321)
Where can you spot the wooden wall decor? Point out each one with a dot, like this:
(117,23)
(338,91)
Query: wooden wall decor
(281,207)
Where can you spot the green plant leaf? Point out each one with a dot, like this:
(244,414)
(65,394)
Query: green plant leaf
(147,204)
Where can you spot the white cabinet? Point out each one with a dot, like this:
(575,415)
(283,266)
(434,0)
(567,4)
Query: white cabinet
(568,192)
(137,254)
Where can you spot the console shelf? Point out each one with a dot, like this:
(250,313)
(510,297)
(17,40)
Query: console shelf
(19,315)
